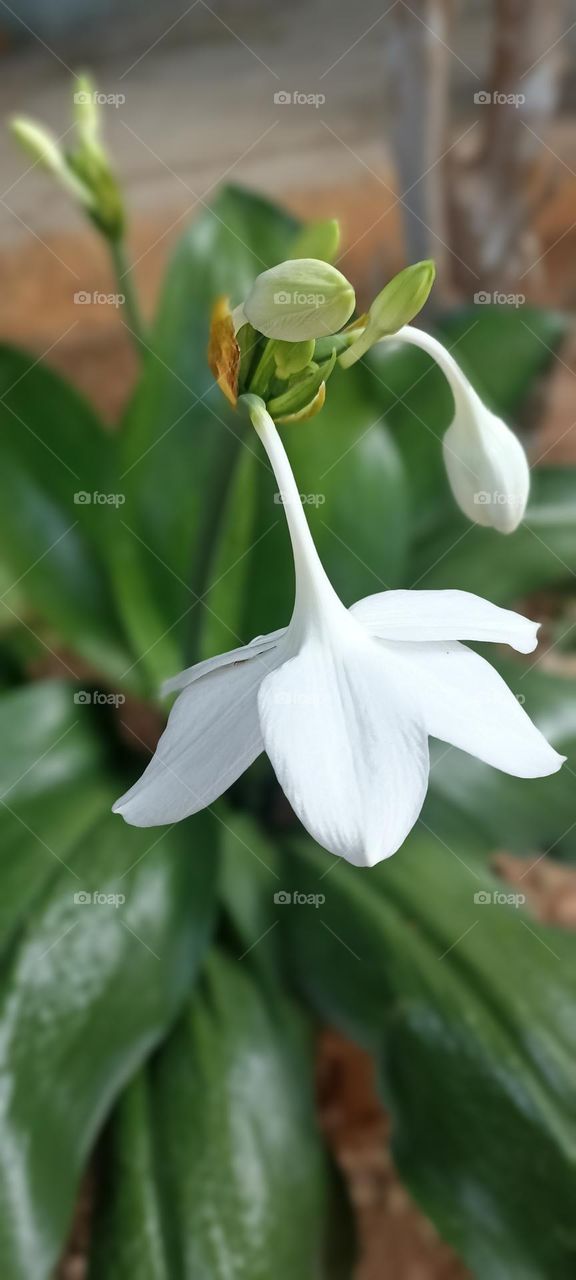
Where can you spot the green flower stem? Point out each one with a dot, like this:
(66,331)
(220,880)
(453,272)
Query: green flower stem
(131,304)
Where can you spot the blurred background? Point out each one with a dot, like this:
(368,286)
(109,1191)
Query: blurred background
(396,118)
(430,129)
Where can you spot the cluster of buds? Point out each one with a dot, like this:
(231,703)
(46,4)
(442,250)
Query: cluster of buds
(284,340)
(83,169)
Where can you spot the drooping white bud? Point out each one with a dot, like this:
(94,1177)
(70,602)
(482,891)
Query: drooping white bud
(486,463)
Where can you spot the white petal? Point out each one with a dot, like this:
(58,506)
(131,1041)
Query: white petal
(212,736)
(259,645)
(346,745)
(443,615)
(488,470)
(465,702)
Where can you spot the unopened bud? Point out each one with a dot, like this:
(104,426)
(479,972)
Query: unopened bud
(43,146)
(300,299)
(486,464)
(397,304)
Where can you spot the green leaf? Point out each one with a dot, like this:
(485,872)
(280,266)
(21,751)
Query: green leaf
(217,623)
(249,878)
(469,1007)
(540,554)
(89,991)
(52,788)
(54,532)
(178,424)
(213,1167)
(412,396)
(317,240)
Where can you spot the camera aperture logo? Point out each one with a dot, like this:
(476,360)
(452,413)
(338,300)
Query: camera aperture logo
(82,498)
(483,498)
(290,698)
(496,897)
(285,899)
(84,898)
(496,298)
(84,299)
(294,98)
(98,698)
(307,499)
(489,97)
(86,98)
(297,298)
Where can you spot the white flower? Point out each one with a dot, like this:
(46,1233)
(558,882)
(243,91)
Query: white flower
(343,703)
(486,464)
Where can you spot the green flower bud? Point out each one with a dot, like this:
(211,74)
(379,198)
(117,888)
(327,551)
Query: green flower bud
(318,240)
(43,146)
(107,207)
(86,114)
(309,411)
(301,393)
(300,299)
(247,340)
(84,170)
(397,304)
(292,357)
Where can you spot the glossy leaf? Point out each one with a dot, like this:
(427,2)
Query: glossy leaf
(52,788)
(214,1167)
(468,1005)
(88,992)
(58,514)
(249,878)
